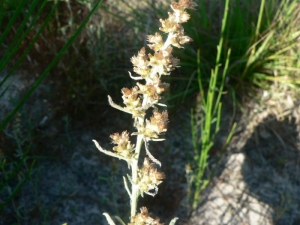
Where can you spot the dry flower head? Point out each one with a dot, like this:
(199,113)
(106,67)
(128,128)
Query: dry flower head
(149,178)
(143,218)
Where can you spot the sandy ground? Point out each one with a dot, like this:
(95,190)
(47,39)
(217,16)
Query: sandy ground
(256,182)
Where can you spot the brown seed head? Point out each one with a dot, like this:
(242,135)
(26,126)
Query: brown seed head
(149,177)
(156,41)
(124,147)
(184,4)
(140,63)
(143,218)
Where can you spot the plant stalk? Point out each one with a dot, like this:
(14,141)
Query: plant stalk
(134,175)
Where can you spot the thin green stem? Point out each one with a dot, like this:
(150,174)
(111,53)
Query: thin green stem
(257,29)
(212,110)
(259,21)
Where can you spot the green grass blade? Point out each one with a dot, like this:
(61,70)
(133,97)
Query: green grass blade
(19,37)
(203,100)
(34,39)
(18,187)
(223,80)
(1,13)
(259,21)
(47,70)
(3,92)
(16,170)
(12,20)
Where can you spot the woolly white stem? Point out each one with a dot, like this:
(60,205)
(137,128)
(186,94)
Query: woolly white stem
(109,220)
(135,192)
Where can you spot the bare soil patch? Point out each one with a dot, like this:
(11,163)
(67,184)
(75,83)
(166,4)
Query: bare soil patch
(256,181)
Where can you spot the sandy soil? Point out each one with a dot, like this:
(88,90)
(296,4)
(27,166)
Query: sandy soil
(256,182)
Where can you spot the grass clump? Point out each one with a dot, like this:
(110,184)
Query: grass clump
(262,40)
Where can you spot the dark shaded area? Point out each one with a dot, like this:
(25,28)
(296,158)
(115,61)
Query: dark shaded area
(271,169)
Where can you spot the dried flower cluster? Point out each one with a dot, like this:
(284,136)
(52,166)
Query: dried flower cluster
(124,148)
(149,178)
(140,98)
(153,128)
(143,218)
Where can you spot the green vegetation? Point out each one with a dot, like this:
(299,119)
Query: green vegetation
(19,19)
(263,44)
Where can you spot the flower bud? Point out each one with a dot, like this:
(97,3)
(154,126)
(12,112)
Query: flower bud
(156,41)
(157,125)
(149,178)
(143,218)
(140,63)
(184,4)
(168,26)
(123,148)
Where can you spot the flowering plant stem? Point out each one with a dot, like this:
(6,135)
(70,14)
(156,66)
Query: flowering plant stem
(138,101)
(134,170)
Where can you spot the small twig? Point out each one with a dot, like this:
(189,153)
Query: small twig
(110,153)
(135,78)
(151,156)
(173,221)
(109,220)
(120,220)
(114,105)
(126,186)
